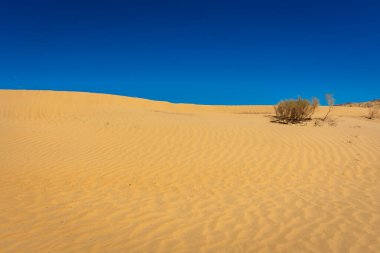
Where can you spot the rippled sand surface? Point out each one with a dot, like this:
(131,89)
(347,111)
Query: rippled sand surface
(83,172)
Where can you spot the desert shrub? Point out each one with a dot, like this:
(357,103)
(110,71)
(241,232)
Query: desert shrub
(330,101)
(295,110)
(373,112)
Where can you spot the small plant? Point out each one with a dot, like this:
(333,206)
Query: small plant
(295,110)
(329,121)
(318,123)
(330,101)
(373,112)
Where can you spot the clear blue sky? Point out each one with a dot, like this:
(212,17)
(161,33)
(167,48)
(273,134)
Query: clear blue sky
(209,52)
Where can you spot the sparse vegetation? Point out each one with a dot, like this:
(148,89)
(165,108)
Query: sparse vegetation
(295,110)
(329,121)
(330,101)
(373,112)
(318,123)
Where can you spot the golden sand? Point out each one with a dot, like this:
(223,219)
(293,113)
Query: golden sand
(83,172)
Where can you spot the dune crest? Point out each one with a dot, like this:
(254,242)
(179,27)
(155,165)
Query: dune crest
(84,172)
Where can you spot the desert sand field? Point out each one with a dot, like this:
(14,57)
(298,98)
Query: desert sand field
(82,172)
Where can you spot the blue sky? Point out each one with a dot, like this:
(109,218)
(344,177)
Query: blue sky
(208,52)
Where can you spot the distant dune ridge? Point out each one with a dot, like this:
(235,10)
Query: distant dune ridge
(375,102)
(84,172)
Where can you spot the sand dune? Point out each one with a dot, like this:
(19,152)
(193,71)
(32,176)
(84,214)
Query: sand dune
(87,172)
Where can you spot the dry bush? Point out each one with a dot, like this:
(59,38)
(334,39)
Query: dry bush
(295,110)
(373,112)
(330,101)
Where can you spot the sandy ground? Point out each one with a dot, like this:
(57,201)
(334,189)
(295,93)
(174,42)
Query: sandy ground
(87,172)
